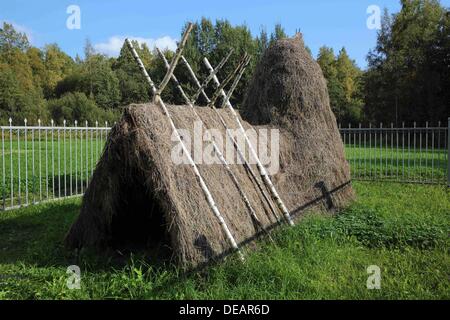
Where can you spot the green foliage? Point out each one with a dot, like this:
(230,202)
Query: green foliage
(214,41)
(19,97)
(408,75)
(344,84)
(76,106)
(10,38)
(96,79)
(57,66)
(134,88)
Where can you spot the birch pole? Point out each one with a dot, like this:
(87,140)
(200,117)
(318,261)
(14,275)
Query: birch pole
(261,168)
(235,144)
(241,66)
(174,62)
(210,76)
(216,149)
(204,187)
(235,83)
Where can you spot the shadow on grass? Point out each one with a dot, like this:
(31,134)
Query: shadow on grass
(35,236)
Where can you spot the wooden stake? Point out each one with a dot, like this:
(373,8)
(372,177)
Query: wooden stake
(241,65)
(235,83)
(204,187)
(217,150)
(210,76)
(235,144)
(174,62)
(261,168)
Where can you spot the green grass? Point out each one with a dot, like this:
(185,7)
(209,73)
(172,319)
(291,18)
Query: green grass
(398,164)
(403,229)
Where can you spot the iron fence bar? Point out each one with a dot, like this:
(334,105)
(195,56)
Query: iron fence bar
(33,167)
(365,162)
(403,147)
(19,189)
(11,168)
(420,155)
(65,158)
(391,154)
(87,155)
(26,162)
(40,160)
(432,155)
(81,161)
(92,153)
(359,152)
(76,159)
(448,153)
(426,149)
(387,153)
(381,150)
(3,171)
(439,144)
(58,133)
(46,164)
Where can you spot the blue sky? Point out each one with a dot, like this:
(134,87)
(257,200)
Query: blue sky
(107,22)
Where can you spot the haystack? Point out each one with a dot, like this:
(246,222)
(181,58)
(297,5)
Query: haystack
(289,92)
(137,195)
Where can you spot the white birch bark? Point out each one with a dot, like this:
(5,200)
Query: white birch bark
(204,187)
(261,168)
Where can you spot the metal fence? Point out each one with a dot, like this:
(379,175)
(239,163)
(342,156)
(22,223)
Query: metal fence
(406,154)
(41,163)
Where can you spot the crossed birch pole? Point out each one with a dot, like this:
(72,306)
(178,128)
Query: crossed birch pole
(236,145)
(214,145)
(157,99)
(261,168)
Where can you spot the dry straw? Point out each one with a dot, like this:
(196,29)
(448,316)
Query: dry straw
(138,196)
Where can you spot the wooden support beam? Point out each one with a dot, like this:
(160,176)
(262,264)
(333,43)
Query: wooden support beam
(259,165)
(217,151)
(209,198)
(175,60)
(235,144)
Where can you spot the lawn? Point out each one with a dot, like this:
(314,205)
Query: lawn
(402,229)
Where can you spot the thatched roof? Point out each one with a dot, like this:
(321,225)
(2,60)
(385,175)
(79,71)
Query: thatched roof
(137,194)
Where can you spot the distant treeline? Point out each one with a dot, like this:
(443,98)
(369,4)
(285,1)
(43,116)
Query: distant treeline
(407,78)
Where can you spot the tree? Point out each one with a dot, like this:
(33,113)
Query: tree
(278,33)
(349,77)
(77,106)
(21,94)
(57,65)
(133,86)
(262,42)
(344,84)
(16,101)
(408,68)
(10,38)
(214,41)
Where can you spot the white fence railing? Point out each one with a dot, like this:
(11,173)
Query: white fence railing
(46,162)
(416,154)
(41,163)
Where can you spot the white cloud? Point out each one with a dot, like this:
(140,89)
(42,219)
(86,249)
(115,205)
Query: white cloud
(114,44)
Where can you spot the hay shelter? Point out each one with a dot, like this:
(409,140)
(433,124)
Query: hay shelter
(137,195)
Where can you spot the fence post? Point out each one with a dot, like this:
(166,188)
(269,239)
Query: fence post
(448,154)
